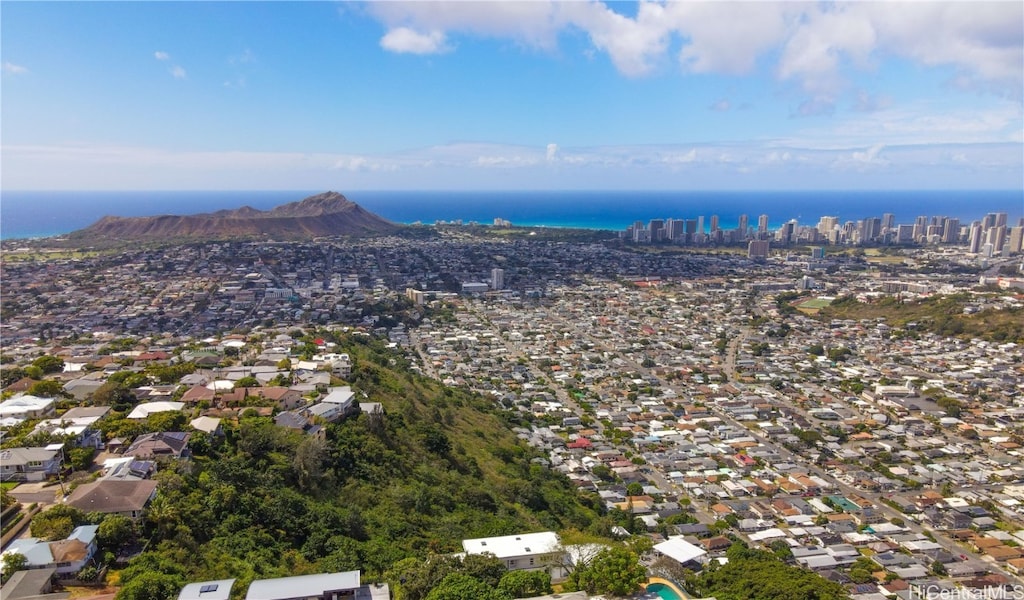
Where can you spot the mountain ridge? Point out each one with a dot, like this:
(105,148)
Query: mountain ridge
(321,215)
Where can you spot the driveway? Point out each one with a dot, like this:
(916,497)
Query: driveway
(40,493)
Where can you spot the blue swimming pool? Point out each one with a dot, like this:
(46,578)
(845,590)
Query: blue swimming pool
(663,591)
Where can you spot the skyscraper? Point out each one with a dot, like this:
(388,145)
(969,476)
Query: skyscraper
(920,228)
(675,230)
(1016,243)
(762,224)
(497,279)
(974,240)
(758,249)
(951,230)
(657,228)
(714,223)
(741,227)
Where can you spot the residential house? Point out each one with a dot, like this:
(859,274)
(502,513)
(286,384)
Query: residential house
(529,551)
(77,423)
(207,590)
(143,410)
(297,420)
(67,556)
(120,497)
(29,464)
(322,586)
(27,407)
(36,584)
(169,444)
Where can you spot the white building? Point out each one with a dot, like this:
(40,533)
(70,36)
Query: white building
(522,551)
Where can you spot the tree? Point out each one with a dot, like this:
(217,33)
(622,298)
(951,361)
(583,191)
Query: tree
(49,364)
(115,531)
(308,462)
(48,388)
(525,584)
(615,571)
(151,586)
(114,395)
(57,522)
(171,420)
(13,562)
(247,382)
(758,575)
(634,489)
(9,375)
(459,586)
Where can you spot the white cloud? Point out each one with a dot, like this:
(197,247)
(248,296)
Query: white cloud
(552,152)
(160,55)
(534,23)
(495,166)
(405,40)
(13,69)
(813,44)
(178,72)
(721,105)
(244,57)
(728,37)
(678,159)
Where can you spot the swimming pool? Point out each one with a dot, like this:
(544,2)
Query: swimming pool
(663,591)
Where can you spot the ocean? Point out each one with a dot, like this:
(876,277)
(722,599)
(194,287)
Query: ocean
(31,214)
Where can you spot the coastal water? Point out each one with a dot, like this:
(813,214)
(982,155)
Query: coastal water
(26,214)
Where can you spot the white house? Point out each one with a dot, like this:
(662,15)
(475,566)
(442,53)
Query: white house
(522,551)
(141,411)
(28,407)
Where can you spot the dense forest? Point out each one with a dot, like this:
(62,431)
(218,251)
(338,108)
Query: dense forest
(439,465)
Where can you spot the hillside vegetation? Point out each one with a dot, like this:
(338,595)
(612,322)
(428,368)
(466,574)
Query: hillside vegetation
(942,315)
(439,466)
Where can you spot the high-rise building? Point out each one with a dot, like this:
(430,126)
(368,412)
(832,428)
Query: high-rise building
(997,236)
(700,224)
(758,249)
(762,224)
(787,233)
(497,279)
(657,228)
(714,223)
(920,228)
(675,230)
(974,238)
(870,229)
(904,234)
(888,222)
(1016,243)
(951,230)
(1000,220)
(827,224)
(742,226)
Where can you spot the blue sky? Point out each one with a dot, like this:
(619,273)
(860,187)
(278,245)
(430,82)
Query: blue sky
(512,95)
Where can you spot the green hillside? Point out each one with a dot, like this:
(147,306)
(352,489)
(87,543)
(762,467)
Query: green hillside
(439,466)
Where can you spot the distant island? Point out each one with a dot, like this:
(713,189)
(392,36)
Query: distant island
(326,214)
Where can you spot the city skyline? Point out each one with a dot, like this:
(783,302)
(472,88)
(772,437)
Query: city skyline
(522,95)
